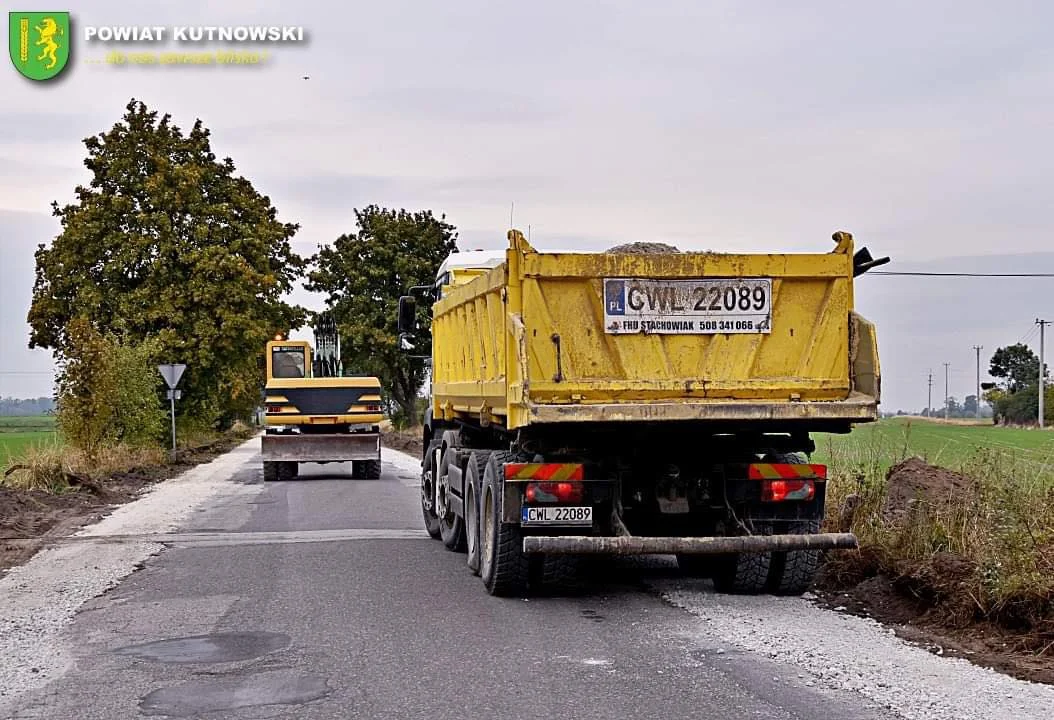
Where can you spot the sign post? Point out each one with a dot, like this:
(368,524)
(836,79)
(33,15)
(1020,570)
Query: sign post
(172,374)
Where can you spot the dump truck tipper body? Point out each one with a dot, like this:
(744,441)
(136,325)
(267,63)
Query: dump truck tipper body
(630,403)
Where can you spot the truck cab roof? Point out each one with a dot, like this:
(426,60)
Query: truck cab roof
(482,260)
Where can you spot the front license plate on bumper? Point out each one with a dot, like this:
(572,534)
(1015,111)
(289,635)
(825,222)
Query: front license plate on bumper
(556,516)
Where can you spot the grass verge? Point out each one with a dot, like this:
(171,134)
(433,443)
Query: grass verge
(967,551)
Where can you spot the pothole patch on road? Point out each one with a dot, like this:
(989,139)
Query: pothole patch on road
(214,648)
(193,698)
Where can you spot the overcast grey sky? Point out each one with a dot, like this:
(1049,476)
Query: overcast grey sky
(922,128)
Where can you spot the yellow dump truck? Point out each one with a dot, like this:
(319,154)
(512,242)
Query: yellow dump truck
(315,414)
(657,403)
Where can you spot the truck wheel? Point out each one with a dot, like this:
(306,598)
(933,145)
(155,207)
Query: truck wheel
(743,573)
(372,469)
(428,473)
(793,572)
(553,571)
(451,527)
(503,566)
(287,471)
(270,471)
(474,471)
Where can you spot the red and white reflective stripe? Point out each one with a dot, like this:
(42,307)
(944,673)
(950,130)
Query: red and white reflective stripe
(554,472)
(786,471)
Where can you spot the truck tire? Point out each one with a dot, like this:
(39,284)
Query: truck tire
(474,471)
(451,525)
(553,571)
(503,566)
(270,471)
(287,470)
(372,469)
(793,572)
(743,573)
(428,473)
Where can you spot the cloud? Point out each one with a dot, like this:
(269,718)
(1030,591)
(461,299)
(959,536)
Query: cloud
(920,128)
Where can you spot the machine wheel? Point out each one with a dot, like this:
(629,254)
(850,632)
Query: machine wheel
(503,566)
(428,473)
(792,573)
(451,527)
(287,470)
(474,471)
(270,471)
(743,573)
(372,469)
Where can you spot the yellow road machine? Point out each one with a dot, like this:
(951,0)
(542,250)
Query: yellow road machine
(313,413)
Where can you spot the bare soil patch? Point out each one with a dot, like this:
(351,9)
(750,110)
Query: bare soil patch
(30,518)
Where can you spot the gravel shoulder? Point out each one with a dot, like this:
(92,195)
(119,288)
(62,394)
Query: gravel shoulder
(846,652)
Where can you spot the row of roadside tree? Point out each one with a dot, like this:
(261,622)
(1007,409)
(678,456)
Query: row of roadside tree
(167,255)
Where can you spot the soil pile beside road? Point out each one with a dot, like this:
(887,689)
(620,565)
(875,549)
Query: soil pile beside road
(409,441)
(933,545)
(915,481)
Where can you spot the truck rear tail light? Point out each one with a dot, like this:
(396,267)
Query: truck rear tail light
(782,490)
(563,492)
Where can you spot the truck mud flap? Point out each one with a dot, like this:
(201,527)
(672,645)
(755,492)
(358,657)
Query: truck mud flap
(320,448)
(638,545)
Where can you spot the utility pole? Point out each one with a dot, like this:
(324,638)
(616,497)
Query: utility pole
(929,397)
(978,348)
(1042,326)
(946,390)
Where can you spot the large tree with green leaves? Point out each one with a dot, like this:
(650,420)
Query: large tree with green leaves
(166,243)
(364,273)
(1017,366)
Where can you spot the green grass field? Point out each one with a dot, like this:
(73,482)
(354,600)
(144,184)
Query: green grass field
(953,446)
(19,433)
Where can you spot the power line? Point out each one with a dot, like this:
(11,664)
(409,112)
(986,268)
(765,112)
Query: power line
(959,274)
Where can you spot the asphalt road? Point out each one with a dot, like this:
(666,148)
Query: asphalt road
(323,598)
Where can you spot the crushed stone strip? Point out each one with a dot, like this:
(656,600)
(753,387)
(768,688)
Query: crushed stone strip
(39,599)
(846,652)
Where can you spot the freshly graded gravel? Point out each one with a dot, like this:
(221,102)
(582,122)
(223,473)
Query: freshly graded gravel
(846,652)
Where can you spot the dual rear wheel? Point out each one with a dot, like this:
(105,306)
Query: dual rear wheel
(493,548)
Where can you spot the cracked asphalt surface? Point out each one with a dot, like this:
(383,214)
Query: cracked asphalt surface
(322,597)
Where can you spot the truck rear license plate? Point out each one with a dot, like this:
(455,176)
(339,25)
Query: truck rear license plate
(688,307)
(556,516)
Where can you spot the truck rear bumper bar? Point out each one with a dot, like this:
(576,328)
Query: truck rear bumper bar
(638,545)
(320,448)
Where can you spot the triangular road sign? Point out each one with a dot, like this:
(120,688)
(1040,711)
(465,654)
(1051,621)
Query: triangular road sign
(172,373)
